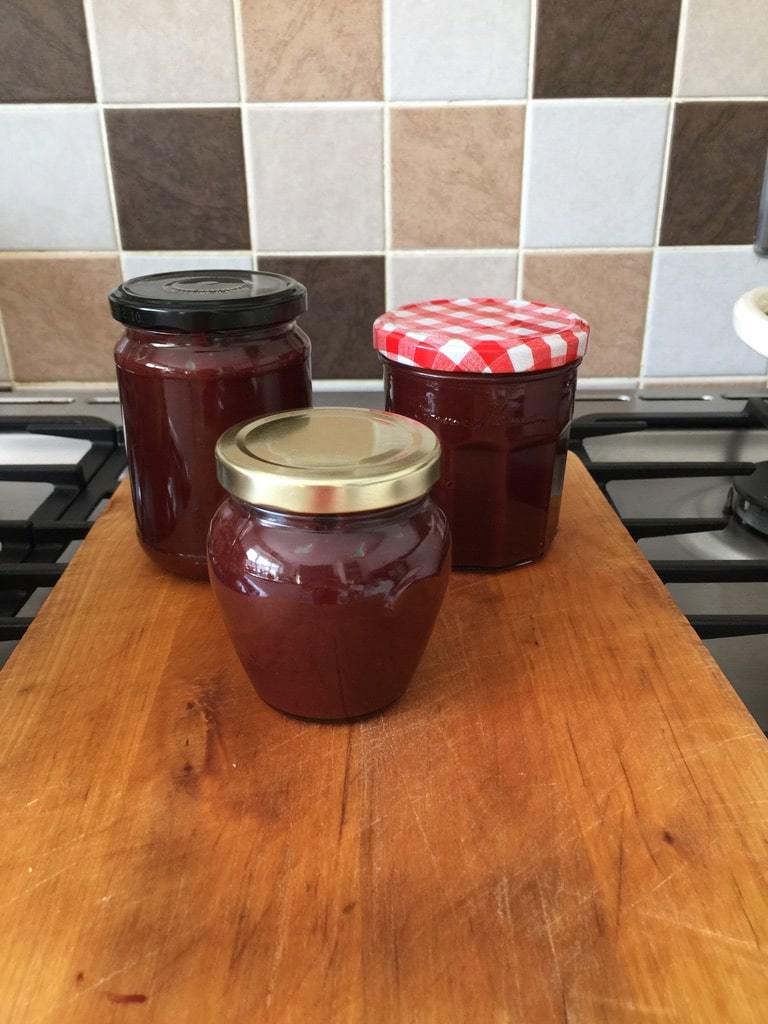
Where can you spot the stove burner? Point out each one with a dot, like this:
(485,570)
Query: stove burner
(748,499)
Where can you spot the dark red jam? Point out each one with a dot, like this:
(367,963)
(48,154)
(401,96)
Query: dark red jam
(504,439)
(182,387)
(329,614)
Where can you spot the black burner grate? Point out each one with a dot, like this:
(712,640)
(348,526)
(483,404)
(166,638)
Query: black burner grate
(31,547)
(753,415)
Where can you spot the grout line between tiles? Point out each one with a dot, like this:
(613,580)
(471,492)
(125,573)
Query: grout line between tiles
(481,252)
(245,130)
(386,130)
(662,200)
(90,28)
(670,122)
(527,130)
(6,348)
(204,254)
(330,104)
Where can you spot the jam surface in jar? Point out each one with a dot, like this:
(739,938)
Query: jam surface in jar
(329,608)
(181,389)
(495,379)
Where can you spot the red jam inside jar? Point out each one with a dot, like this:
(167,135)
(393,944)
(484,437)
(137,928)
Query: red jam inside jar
(330,607)
(495,379)
(202,351)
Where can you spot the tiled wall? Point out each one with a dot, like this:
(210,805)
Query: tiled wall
(601,154)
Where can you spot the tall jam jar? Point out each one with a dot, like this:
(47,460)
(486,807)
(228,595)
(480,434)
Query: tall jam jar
(202,350)
(329,558)
(495,379)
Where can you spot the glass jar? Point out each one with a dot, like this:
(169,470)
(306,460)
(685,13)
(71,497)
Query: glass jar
(495,379)
(202,350)
(329,559)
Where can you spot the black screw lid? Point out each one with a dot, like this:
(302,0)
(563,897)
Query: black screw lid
(207,300)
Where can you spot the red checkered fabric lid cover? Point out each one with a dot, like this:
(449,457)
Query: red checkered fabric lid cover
(481,335)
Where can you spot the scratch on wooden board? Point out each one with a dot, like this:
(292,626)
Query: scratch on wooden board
(282,934)
(646,895)
(31,889)
(503,908)
(411,803)
(747,918)
(576,754)
(620,873)
(629,1004)
(548,931)
(709,933)
(716,744)
(345,784)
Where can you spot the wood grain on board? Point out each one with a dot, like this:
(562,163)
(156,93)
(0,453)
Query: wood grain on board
(563,820)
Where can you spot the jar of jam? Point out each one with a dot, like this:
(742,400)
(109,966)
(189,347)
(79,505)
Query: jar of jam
(495,379)
(329,559)
(202,350)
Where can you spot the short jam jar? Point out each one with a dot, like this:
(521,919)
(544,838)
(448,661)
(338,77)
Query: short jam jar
(329,558)
(202,350)
(495,379)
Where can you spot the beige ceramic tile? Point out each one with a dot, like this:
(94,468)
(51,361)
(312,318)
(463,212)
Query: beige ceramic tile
(456,176)
(56,316)
(724,48)
(325,50)
(609,289)
(167,52)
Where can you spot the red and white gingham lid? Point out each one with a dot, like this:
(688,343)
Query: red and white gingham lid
(481,335)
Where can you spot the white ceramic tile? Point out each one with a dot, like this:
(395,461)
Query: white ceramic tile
(451,49)
(689,321)
(53,184)
(724,48)
(173,51)
(417,278)
(317,178)
(593,173)
(139,264)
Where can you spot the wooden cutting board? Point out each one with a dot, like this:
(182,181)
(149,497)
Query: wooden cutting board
(564,820)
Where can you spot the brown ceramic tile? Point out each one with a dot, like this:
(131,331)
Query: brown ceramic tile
(456,176)
(44,55)
(605,47)
(179,178)
(715,169)
(609,289)
(346,294)
(56,316)
(320,51)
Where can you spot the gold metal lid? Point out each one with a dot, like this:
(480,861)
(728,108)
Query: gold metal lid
(328,461)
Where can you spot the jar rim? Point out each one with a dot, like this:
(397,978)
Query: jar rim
(329,461)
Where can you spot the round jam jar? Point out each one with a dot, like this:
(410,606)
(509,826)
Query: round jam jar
(495,379)
(202,350)
(329,558)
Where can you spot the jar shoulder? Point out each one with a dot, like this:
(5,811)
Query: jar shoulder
(350,553)
(205,355)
